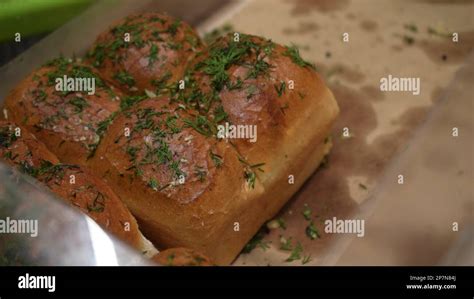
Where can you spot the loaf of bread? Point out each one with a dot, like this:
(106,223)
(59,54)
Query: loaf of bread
(181,257)
(210,142)
(69,123)
(144,51)
(71,183)
(229,187)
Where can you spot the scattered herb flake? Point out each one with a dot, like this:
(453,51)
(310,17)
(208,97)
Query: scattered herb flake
(280,89)
(306,259)
(257,240)
(295,253)
(312,231)
(307,212)
(124,78)
(153,54)
(411,27)
(294,53)
(216,159)
(153,184)
(285,244)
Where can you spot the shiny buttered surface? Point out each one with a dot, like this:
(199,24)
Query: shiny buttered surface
(196,140)
(73,184)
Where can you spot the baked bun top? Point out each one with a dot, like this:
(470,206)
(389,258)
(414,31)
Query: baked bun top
(250,81)
(21,149)
(145,51)
(70,123)
(71,183)
(155,144)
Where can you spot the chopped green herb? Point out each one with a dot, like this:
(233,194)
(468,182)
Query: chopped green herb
(124,78)
(153,184)
(200,172)
(201,124)
(103,125)
(216,159)
(295,253)
(285,244)
(294,53)
(173,28)
(172,125)
(132,152)
(170,259)
(412,27)
(7,137)
(280,89)
(153,54)
(129,101)
(219,114)
(306,259)
(79,104)
(161,83)
(276,223)
(251,91)
(307,212)
(257,240)
(312,231)
(258,68)
(408,39)
(250,177)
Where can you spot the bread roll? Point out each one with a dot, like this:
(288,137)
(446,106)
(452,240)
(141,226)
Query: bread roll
(174,179)
(73,184)
(145,51)
(188,180)
(69,123)
(239,83)
(181,257)
(271,87)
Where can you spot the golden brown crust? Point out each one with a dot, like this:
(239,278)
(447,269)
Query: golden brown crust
(74,185)
(70,124)
(93,197)
(230,187)
(20,148)
(293,111)
(181,257)
(188,214)
(159,49)
(290,140)
(159,151)
(289,104)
